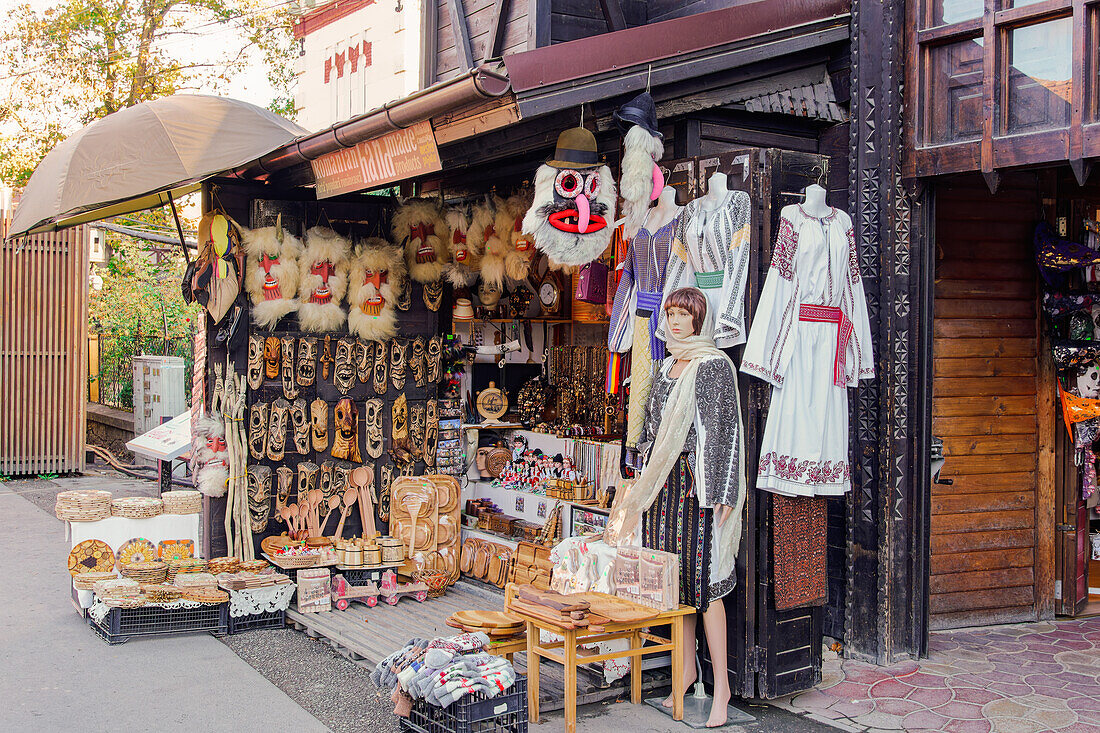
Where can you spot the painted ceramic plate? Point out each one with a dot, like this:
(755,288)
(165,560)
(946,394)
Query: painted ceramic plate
(138,549)
(176,549)
(91,556)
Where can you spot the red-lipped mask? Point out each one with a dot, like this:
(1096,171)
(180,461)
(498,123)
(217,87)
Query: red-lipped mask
(374,303)
(325,270)
(574,192)
(459,240)
(271,285)
(523,243)
(421,231)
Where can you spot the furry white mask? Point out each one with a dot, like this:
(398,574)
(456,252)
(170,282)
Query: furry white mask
(518,247)
(465,254)
(271,272)
(377,274)
(323,272)
(210,457)
(419,227)
(570,219)
(483,235)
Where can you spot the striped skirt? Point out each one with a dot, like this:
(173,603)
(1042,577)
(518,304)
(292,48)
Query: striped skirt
(676,523)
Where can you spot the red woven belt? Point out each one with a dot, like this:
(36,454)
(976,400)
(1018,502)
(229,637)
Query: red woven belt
(831,314)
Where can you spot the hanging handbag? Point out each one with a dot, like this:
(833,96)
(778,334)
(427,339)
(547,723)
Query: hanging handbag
(592,283)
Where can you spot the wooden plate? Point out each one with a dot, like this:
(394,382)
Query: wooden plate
(138,549)
(91,556)
(176,549)
(487,619)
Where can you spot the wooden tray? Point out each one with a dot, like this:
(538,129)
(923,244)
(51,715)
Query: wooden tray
(616,609)
(487,619)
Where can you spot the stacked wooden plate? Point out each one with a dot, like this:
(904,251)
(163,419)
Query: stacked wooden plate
(219,565)
(87,581)
(160,593)
(145,572)
(83,505)
(195,580)
(205,595)
(187,565)
(182,502)
(137,507)
(493,623)
(253,566)
(123,602)
(117,588)
(242,581)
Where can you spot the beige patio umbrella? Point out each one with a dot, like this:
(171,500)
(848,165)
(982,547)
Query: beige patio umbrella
(137,158)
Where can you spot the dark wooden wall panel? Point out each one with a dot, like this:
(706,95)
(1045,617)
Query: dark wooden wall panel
(659,10)
(985,405)
(479,15)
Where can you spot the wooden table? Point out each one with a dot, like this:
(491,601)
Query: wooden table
(565,653)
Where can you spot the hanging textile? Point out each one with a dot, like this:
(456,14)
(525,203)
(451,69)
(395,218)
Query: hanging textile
(1074,353)
(1055,255)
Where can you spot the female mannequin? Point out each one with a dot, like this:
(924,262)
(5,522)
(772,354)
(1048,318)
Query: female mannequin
(689,497)
(815,205)
(716,191)
(637,304)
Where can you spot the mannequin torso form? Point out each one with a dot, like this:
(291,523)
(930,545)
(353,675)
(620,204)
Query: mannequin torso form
(665,210)
(815,205)
(716,192)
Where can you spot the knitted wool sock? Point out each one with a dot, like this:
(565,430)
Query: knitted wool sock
(461,643)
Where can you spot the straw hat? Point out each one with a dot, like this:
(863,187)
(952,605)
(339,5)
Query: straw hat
(463,310)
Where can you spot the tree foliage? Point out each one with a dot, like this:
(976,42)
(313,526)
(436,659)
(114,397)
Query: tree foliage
(83,59)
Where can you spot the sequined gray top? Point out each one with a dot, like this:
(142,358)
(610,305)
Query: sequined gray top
(719,417)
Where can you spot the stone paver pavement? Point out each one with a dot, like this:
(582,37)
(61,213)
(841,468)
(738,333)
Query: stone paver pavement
(1026,678)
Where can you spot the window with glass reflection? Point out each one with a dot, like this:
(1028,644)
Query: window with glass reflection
(945,12)
(1040,72)
(954,92)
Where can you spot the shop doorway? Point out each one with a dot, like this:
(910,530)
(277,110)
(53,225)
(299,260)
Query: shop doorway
(1009,530)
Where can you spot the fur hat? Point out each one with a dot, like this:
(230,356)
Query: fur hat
(377,276)
(419,227)
(271,272)
(564,200)
(641,178)
(323,280)
(465,255)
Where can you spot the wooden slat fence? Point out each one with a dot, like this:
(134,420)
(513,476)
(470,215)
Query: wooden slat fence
(43,351)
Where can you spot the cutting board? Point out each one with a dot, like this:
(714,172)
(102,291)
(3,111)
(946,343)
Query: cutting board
(544,614)
(487,619)
(616,609)
(550,599)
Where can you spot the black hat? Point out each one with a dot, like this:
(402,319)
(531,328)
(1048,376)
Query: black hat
(639,111)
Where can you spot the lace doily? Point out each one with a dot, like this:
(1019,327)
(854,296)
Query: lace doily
(252,601)
(99,609)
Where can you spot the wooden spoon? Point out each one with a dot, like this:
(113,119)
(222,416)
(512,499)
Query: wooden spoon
(366,507)
(333,504)
(349,499)
(316,496)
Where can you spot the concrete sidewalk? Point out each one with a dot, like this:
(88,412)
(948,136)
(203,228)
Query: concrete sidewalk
(59,676)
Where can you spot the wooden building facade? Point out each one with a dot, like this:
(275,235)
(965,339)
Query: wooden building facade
(1002,133)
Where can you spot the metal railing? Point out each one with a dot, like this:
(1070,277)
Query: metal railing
(111,364)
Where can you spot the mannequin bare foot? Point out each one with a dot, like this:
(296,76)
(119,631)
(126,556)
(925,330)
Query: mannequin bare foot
(718,707)
(689,680)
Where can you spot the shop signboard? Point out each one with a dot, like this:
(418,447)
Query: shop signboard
(395,156)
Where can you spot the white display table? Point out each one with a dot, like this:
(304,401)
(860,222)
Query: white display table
(117,530)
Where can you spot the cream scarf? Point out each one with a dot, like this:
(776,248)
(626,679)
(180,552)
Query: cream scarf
(676,420)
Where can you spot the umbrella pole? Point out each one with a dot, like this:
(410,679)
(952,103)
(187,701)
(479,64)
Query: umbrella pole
(176,216)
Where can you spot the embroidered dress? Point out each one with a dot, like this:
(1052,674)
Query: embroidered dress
(710,252)
(680,519)
(810,338)
(634,315)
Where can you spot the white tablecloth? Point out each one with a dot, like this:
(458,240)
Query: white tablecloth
(117,530)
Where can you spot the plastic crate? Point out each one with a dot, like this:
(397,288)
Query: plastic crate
(266,620)
(505,713)
(120,624)
(362,576)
